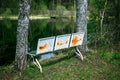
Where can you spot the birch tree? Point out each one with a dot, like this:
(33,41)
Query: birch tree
(22,35)
(81,21)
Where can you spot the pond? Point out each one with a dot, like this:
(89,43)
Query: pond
(38,29)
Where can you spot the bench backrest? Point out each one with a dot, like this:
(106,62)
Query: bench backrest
(53,43)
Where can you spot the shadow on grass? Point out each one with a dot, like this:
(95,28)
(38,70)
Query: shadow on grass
(56,59)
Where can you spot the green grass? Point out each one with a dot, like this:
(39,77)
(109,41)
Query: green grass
(94,67)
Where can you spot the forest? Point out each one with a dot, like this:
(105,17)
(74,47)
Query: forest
(101,13)
(57,17)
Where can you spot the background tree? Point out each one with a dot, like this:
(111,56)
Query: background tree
(104,17)
(22,35)
(81,21)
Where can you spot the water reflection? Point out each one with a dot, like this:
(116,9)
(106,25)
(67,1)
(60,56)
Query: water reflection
(38,29)
(47,28)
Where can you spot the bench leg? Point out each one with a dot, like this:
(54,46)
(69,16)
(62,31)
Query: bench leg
(39,66)
(37,63)
(79,53)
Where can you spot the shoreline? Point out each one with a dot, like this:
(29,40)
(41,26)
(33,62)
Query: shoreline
(32,17)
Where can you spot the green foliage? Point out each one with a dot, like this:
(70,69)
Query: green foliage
(117,56)
(8,11)
(72,7)
(36,6)
(108,55)
(60,7)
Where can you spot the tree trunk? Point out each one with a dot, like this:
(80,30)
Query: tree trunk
(81,21)
(102,14)
(22,36)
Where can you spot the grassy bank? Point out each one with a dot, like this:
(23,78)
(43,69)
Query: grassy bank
(66,14)
(15,17)
(62,67)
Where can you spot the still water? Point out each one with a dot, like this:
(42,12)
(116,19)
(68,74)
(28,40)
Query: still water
(38,29)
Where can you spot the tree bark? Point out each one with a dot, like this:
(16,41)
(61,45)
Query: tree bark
(22,36)
(81,21)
